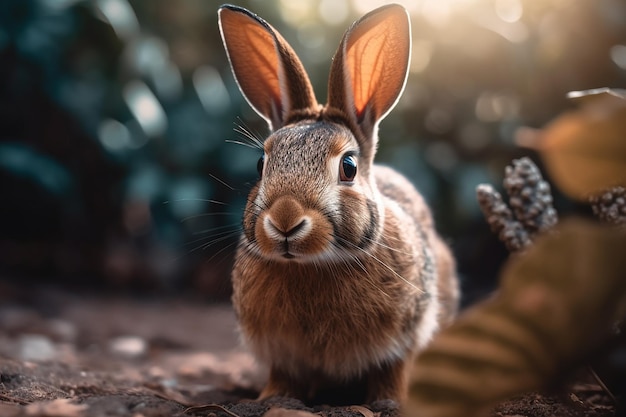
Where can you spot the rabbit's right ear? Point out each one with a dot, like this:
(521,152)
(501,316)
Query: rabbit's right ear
(370,69)
(269,74)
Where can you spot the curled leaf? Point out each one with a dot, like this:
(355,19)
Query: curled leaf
(365,412)
(584,150)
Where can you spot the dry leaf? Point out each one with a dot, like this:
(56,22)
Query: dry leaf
(365,412)
(167,393)
(584,150)
(61,407)
(556,302)
(284,412)
(210,407)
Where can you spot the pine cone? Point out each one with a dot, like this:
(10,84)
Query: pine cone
(529,211)
(500,219)
(529,196)
(611,206)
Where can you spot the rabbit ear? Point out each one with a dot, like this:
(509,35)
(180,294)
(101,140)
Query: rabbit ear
(268,72)
(370,69)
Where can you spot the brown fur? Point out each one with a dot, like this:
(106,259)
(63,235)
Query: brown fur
(337,284)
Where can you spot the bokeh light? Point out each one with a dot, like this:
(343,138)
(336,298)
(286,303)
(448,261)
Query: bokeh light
(120,15)
(146,108)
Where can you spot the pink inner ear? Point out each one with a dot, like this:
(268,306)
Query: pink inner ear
(376,59)
(366,70)
(252,53)
(268,72)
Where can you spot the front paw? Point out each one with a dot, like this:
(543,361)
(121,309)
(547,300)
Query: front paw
(279,384)
(271,391)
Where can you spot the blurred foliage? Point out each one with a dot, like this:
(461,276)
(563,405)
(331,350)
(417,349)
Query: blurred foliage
(557,304)
(115,115)
(585,149)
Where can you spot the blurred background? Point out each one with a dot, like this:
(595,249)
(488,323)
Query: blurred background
(116,170)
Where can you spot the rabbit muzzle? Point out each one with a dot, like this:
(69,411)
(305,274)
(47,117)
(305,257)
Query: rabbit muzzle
(289,231)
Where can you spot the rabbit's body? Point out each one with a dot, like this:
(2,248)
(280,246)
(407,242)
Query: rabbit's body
(339,275)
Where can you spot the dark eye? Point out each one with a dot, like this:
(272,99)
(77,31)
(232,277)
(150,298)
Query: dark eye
(347,168)
(259,165)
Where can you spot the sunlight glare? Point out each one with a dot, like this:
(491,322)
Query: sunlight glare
(365,6)
(333,12)
(436,11)
(297,12)
(420,55)
(509,11)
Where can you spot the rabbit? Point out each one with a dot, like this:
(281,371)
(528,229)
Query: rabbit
(339,277)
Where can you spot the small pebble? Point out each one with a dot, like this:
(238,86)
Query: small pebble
(63,330)
(128,346)
(34,347)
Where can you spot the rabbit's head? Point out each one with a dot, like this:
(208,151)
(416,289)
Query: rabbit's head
(316,198)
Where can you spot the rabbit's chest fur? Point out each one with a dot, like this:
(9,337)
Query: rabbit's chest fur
(343,318)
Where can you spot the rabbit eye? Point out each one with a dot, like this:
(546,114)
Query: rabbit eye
(259,165)
(347,168)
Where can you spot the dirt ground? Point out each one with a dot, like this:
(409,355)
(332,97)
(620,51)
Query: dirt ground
(68,354)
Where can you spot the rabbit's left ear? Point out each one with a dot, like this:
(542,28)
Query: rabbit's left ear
(370,69)
(269,74)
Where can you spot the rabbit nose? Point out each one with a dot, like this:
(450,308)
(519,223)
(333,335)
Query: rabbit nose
(285,218)
(281,230)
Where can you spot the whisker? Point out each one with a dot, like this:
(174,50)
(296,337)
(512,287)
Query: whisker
(382,245)
(221,250)
(384,265)
(213,236)
(254,137)
(213,229)
(205,200)
(237,142)
(339,262)
(222,182)
(252,141)
(350,260)
(196,216)
(219,239)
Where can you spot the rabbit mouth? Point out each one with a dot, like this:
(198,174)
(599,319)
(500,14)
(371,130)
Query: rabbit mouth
(286,254)
(303,244)
(287,250)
